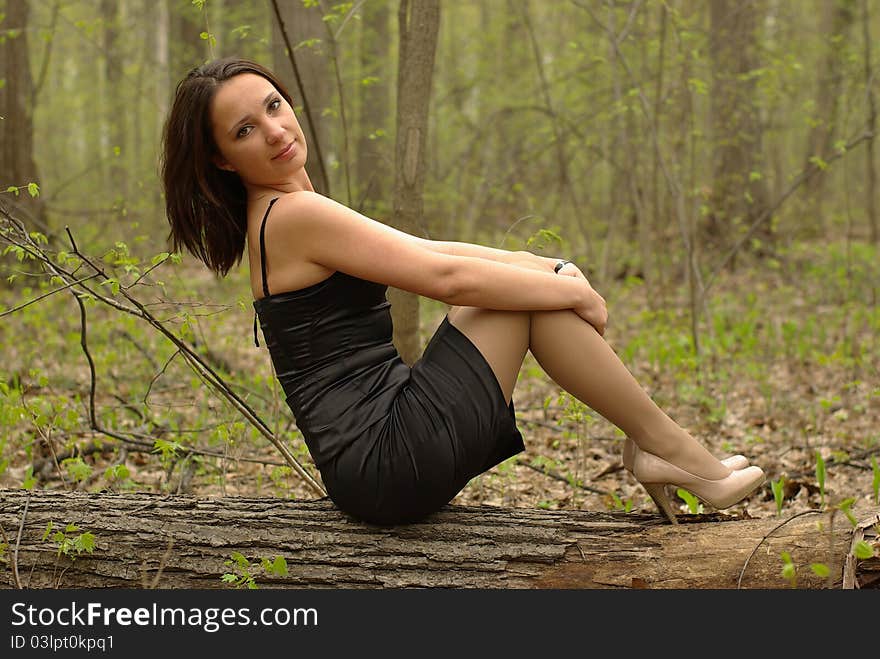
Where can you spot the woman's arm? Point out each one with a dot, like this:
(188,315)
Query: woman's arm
(316,229)
(522,259)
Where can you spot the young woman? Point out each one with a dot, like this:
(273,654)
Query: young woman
(395,443)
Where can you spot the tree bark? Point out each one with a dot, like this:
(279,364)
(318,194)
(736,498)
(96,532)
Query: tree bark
(304,24)
(739,192)
(17,162)
(373,147)
(419,23)
(115,177)
(870,171)
(147,540)
(838,16)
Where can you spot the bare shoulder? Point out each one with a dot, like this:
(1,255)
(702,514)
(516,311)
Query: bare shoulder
(301,207)
(323,235)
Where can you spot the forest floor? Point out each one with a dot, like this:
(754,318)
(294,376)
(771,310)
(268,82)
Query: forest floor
(787,375)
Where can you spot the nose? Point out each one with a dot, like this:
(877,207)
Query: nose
(274,132)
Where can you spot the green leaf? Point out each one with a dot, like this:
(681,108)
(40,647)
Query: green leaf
(279,567)
(863,550)
(693,503)
(33,189)
(820,569)
(85,542)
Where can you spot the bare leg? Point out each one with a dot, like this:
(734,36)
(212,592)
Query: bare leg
(579,360)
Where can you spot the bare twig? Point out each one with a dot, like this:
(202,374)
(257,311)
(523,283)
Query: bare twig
(137,309)
(15,578)
(45,295)
(767,535)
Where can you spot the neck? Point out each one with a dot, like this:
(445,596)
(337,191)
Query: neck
(298,183)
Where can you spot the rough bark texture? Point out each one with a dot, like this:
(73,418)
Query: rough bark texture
(304,25)
(374,153)
(144,540)
(17,164)
(738,196)
(419,23)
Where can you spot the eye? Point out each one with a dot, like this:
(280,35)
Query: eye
(275,104)
(243,131)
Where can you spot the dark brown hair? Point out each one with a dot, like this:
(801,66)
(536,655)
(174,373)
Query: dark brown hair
(205,205)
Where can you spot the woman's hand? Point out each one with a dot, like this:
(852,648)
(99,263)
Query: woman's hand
(594,310)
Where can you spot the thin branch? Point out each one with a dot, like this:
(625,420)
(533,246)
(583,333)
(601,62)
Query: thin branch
(767,535)
(139,310)
(45,295)
(18,542)
(158,375)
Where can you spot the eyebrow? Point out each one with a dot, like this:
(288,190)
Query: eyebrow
(247,117)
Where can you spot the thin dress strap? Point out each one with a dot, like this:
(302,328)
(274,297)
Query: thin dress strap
(263,246)
(263,263)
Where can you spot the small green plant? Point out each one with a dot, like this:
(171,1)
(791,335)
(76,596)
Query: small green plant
(693,503)
(620,504)
(119,477)
(845,506)
(242,575)
(820,570)
(70,545)
(863,550)
(77,469)
(29,479)
(820,477)
(789,571)
(778,488)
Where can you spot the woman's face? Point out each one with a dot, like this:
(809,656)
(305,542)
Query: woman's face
(256,133)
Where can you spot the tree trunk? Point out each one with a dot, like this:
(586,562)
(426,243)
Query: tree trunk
(186,48)
(739,192)
(115,182)
(419,22)
(838,16)
(871,173)
(147,540)
(373,147)
(304,24)
(17,164)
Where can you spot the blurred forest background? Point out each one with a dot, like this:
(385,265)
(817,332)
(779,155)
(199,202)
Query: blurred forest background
(710,165)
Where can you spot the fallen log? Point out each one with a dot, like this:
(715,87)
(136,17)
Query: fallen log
(153,541)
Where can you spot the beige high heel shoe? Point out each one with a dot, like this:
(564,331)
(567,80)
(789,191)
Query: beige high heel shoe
(731,462)
(654,473)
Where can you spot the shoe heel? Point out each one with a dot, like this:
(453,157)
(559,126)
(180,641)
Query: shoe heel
(657,492)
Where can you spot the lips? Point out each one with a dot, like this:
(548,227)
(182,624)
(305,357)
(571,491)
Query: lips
(286,152)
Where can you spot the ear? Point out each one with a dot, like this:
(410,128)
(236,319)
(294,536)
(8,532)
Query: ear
(220,163)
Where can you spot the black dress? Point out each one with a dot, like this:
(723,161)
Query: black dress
(393,443)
